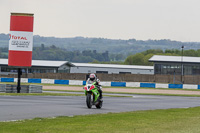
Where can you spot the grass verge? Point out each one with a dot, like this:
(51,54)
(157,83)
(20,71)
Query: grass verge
(186,95)
(152,121)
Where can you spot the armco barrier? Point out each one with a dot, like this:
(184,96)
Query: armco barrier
(114,84)
(34,80)
(179,86)
(143,78)
(65,82)
(131,84)
(48,81)
(198,87)
(149,85)
(23,80)
(7,79)
(105,83)
(118,84)
(84,82)
(161,85)
(75,82)
(187,86)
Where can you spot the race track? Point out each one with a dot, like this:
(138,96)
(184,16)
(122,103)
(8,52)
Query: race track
(28,107)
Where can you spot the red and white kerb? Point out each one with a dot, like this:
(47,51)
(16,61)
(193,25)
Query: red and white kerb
(21,40)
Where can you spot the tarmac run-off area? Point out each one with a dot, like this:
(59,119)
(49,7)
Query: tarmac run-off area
(29,107)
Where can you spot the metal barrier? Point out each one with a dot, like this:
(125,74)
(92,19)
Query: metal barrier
(2,87)
(8,88)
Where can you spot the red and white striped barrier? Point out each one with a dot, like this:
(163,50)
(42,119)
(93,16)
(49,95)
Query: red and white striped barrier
(21,40)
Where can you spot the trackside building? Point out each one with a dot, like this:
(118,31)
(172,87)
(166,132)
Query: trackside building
(176,65)
(110,68)
(38,66)
(45,66)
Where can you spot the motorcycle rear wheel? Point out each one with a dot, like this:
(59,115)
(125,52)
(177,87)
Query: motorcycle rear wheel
(99,105)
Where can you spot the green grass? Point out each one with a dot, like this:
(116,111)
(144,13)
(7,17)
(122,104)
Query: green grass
(193,95)
(153,121)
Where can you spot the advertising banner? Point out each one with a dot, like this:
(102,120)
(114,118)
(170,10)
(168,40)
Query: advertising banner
(21,40)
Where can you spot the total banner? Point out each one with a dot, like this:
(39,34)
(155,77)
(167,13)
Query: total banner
(21,40)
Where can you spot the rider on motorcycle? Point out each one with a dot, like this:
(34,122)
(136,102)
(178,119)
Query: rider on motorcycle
(93,79)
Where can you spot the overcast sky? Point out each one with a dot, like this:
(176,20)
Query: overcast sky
(115,19)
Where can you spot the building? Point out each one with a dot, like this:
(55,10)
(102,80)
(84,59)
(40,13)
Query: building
(176,65)
(38,66)
(110,68)
(44,66)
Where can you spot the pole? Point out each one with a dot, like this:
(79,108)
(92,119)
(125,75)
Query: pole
(19,80)
(174,77)
(182,65)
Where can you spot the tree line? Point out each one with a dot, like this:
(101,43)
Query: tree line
(143,57)
(113,46)
(55,53)
(61,54)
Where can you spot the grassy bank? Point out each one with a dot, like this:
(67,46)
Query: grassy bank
(155,121)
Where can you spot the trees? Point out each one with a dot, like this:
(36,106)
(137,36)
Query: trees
(136,59)
(42,46)
(146,60)
(56,53)
(153,51)
(53,52)
(143,57)
(190,52)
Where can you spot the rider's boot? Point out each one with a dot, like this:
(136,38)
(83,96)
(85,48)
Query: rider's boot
(101,97)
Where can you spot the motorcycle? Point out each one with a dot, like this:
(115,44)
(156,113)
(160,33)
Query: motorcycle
(92,95)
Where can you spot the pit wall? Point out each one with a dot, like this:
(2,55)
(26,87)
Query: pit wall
(113,84)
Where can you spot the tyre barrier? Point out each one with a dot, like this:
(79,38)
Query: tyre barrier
(35,88)
(2,87)
(8,88)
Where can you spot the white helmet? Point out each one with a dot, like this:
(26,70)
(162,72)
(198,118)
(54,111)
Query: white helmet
(92,76)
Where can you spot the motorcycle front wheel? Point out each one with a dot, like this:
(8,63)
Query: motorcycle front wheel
(89,100)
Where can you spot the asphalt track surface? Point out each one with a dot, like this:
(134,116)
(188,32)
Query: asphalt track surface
(28,107)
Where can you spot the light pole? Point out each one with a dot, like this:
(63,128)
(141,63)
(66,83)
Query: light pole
(182,65)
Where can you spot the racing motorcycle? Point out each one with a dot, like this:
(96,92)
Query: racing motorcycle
(92,95)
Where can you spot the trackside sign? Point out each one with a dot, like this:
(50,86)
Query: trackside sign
(21,40)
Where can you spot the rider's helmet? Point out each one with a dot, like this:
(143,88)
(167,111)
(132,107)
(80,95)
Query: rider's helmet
(92,76)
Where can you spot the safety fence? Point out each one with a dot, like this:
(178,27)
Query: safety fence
(103,83)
